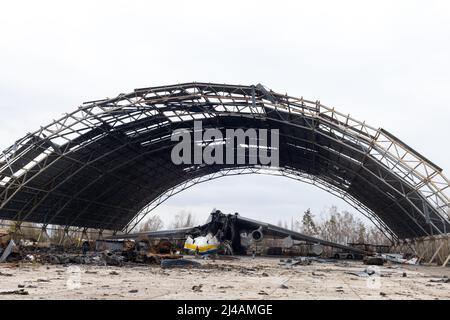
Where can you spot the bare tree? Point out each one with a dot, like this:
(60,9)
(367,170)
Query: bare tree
(56,233)
(362,235)
(307,224)
(30,230)
(375,236)
(329,229)
(153,223)
(183,219)
(341,227)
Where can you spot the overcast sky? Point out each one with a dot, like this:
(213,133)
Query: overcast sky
(386,62)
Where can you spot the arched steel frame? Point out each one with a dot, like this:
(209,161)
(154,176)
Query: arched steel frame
(101,165)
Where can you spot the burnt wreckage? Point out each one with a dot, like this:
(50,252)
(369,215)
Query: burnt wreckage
(107,164)
(235,232)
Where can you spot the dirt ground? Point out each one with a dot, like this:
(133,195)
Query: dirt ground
(244,278)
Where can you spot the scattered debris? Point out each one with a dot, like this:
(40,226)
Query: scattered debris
(258,279)
(226,287)
(19,292)
(164,246)
(303,260)
(362,274)
(383,294)
(120,253)
(296,261)
(317,274)
(179,263)
(373,261)
(112,259)
(404,275)
(370,271)
(30,257)
(197,288)
(321,260)
(399,258)
(443,280)
(6,274)
(225,257)
(155,258)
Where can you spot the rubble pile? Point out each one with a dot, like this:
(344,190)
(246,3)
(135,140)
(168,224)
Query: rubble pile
(130,252)
(97,258)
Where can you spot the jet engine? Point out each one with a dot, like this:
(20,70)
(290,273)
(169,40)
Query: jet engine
(257,235)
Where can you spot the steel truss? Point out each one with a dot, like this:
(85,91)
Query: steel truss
(101,165)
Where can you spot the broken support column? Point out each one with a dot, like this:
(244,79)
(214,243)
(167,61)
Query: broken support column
(7,251)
